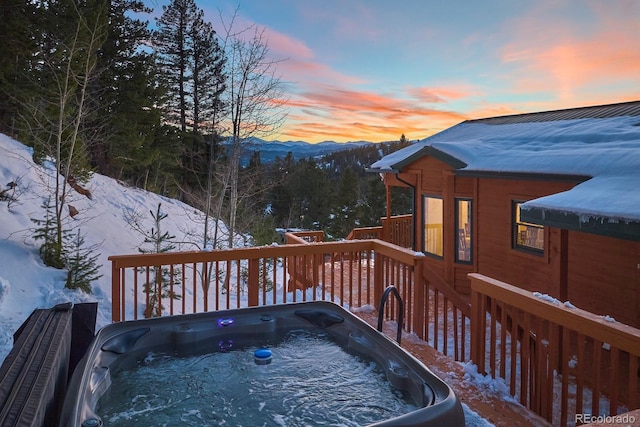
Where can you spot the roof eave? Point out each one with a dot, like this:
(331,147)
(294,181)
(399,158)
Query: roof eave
(427,150)
(381,170)
(525,176)
(603,226)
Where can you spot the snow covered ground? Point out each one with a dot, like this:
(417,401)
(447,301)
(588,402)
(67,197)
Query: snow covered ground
(25,282)
(104,220)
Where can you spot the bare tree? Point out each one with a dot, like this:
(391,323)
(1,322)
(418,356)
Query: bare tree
(54,116)
(254,99)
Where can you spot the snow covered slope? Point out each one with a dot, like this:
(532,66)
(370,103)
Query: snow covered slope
(25,282)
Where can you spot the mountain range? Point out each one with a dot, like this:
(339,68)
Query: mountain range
(269,150)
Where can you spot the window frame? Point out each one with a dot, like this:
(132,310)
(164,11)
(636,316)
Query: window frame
(515,224)
(425,197)
(468,234)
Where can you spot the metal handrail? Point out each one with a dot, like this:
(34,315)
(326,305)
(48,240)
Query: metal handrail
(383,301)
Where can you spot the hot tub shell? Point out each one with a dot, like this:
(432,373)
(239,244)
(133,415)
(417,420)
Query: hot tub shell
(121,345)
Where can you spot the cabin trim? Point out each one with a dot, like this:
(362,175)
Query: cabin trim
(531,176)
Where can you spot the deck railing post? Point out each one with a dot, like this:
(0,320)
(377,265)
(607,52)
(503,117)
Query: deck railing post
(253,281)
(378,276)
(158,284)
(385,229)
(116,297)
(478,326)
(419,285)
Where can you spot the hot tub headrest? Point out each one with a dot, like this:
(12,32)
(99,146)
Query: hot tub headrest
(122,343)
(320,318)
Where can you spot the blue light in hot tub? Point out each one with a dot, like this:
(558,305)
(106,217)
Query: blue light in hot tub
(225,345)
(225,321)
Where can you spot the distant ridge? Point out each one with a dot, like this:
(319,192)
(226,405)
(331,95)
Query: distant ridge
(270,150)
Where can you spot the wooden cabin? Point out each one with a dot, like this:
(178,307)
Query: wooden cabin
(547,201)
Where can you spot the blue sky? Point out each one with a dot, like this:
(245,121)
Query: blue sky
(373,70)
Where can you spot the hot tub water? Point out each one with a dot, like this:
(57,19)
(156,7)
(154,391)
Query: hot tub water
(310,381)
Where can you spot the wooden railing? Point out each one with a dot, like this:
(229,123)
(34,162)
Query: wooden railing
(304,237)
(304,271)
(550,353)
(447,324)
(404,274)
(363,233)
(438,314)
(352,273)
(396,229)
(541,349)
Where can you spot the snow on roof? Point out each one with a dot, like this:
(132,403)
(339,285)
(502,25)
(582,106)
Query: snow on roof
(605,151)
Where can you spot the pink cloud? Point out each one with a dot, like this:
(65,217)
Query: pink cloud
(443,94)
(307,72)
(284,45)
(557,59)
(298,63)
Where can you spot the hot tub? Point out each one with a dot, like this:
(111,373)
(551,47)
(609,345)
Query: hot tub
(311,363)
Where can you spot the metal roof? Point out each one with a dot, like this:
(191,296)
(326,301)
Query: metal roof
(592,112)
(597,147)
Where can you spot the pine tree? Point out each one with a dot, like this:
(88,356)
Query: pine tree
(374,198)
(281,201)
(174,57)
(52,250)
(18,45)
(125,96)
(163,281)
(70,253)
(190,63)
(316,185)
(263,231)
(207,70)
(81,264)
(344,204)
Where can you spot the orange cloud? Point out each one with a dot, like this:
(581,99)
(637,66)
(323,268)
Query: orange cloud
(329,112)
(334,110)
(485,110)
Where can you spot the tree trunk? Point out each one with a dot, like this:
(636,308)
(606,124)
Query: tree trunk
(233,197)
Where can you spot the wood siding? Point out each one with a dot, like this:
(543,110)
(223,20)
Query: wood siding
(603,276)
(496,256)
(432,181)
(596,273)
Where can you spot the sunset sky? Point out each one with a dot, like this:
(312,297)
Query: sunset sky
(374,70)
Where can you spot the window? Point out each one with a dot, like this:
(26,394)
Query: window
(463,231)
(526,236)
(433,214)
